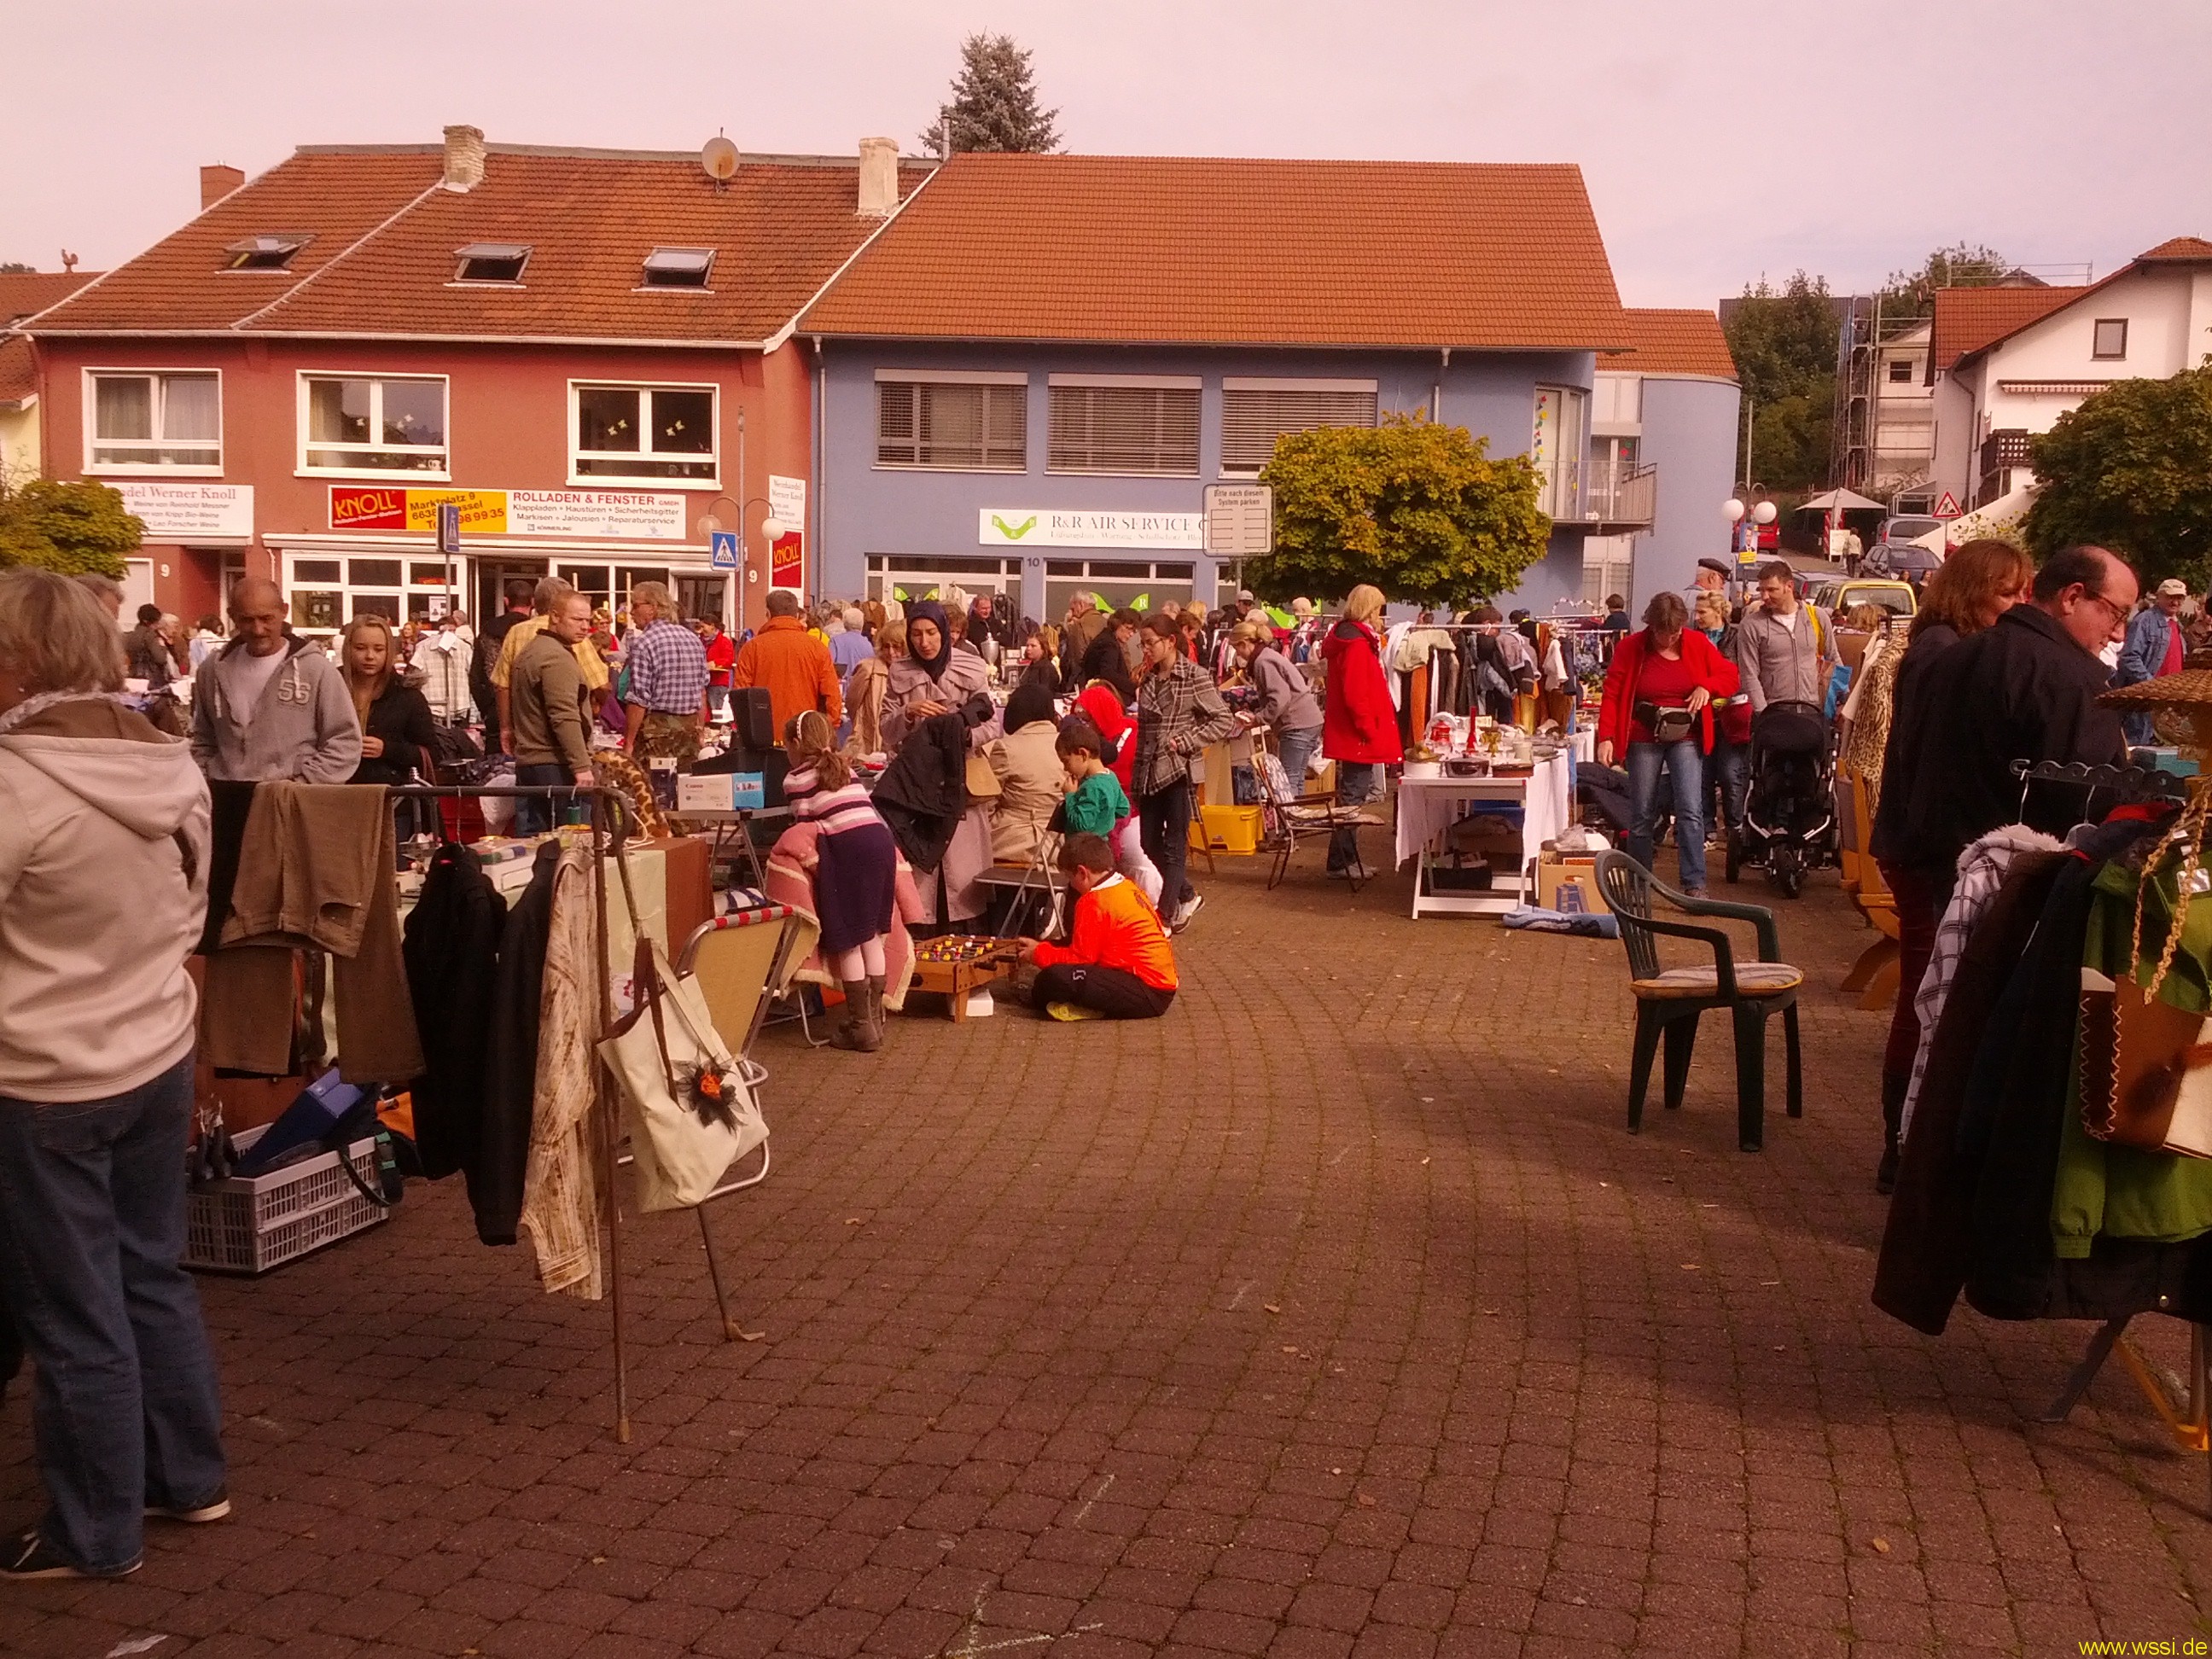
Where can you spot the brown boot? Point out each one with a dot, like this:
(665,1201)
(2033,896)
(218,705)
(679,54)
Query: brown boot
(859,1033)
(876,1006)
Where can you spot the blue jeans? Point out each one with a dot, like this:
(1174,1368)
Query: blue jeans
(1729,767)
(1295,749)
(92,1228)
(1358,782)
(1687,772)
(533,817)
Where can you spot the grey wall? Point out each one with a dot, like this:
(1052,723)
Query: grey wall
(869,510)
(1689,434)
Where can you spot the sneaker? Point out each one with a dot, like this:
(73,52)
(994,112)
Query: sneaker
(198,1514)
(1182,916)
(29,1556)
(1071,1012)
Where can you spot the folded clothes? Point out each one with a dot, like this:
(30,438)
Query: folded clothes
(1595,924)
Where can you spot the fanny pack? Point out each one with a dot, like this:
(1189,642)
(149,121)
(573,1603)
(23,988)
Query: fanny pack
(1665,725)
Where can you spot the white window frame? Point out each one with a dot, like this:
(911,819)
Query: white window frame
(1191,382)
(91,439)
(581,480)
(304,468)
(1278,383)
(962,377)
(2097,327)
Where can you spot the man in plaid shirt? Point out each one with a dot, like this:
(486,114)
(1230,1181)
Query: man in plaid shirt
(664,710)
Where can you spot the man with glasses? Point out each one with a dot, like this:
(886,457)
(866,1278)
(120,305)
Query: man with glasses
(2025,689)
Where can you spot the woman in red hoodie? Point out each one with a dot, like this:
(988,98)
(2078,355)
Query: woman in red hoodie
(1359,723)
(1656,712)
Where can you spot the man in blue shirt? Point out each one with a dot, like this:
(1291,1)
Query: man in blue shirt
(2154,647)
(664,707)
(853,647)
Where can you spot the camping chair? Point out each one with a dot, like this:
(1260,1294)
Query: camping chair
(1295,814)
(1671,1000)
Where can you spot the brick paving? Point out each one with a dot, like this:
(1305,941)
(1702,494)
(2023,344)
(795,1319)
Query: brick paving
(1337,1315)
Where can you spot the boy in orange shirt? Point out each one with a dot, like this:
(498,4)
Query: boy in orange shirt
(1117,963)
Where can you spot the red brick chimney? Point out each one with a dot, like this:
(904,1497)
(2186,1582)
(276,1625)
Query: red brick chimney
(217,182)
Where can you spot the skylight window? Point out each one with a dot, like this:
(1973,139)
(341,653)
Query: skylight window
(678,267)
(263,252)
(491,262)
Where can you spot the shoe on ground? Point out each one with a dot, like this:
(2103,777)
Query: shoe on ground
(216,1508)
(1183,914)
(1693,892)
(1071,1012)
(29,1556)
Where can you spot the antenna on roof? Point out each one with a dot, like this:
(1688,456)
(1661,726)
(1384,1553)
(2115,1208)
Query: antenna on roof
(718,156)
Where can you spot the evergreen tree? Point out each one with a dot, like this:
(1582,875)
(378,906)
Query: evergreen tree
(994,103)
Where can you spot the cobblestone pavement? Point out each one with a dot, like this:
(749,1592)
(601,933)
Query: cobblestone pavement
(1335,1313)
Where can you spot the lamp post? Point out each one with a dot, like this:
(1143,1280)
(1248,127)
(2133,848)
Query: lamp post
(773,528)
(1744,542)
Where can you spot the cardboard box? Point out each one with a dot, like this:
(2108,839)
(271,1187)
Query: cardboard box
(1568,882)
(721,791)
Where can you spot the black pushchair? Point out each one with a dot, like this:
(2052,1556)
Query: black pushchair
(1790,809)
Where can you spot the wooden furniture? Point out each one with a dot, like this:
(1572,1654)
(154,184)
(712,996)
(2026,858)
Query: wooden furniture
(960,979)
(1874,974)
(1670,1001)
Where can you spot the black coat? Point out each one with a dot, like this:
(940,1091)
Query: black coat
(511,1057)
(2019,690)
(401,718)
(1105,660)
(451,953)
(924,790)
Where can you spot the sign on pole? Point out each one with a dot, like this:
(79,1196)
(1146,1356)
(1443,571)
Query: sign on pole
(723,545)
(1947,508)
(449,528)
(1240,520)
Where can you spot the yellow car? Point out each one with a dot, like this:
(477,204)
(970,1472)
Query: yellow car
(1896,596)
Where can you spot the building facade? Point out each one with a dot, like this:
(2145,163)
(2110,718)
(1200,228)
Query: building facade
(23,294)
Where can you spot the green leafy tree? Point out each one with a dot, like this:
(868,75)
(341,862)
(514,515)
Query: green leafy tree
(2131,470)
(1784,341)
(994,105)
(1418,509)
(15,268)
(71,527)
(1912,293)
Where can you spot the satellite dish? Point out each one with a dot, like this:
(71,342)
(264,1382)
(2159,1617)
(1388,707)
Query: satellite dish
(720,158)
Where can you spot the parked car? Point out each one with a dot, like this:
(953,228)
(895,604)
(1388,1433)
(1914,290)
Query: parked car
(1916,528)
(1894,596)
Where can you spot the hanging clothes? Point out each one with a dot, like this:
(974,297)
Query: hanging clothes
(560,1187)
(495,1179)
(451,953)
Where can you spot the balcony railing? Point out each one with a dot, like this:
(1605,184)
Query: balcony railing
(1621,496)
(2003,449)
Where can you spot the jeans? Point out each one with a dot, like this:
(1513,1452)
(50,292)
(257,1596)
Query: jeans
(1358,782)
(92,1226)
(1164,828)
(1297,749)
(1682,764)
(533,817)
(1114,991)
(1730,772)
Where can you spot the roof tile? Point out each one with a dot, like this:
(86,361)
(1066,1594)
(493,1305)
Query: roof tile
(18,372)
(23,292)
(2179,248)
(1971,319)
(1674,342)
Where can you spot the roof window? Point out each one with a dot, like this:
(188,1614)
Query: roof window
(263,252)
(491,262)
(678,267)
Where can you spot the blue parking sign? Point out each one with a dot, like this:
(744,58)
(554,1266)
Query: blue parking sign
(725,545)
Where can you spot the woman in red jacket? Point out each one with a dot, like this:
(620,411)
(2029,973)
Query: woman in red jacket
(1359,723)
(1656,712)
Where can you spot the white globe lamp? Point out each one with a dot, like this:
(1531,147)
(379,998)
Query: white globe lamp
(774,529)
(1763,514)
(1732,510)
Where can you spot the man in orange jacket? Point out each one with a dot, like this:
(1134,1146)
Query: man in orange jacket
(1117,963)
(791,664)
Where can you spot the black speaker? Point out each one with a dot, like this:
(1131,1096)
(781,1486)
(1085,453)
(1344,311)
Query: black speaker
(752,719)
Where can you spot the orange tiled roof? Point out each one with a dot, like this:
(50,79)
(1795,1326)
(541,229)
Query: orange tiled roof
(1674,342)
(24,292)
(18,373)
(1972,319)
(2178,247)
(1190,250)
(381,260)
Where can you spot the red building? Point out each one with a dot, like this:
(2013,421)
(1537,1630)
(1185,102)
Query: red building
(590,351)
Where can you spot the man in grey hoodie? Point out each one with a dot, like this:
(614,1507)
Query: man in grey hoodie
(1785,652)
(269,705)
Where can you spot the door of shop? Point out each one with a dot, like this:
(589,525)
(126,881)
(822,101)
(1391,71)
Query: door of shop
(492,576)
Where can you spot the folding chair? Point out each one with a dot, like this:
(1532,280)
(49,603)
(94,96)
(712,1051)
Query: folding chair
(1317,814)
(1041,876)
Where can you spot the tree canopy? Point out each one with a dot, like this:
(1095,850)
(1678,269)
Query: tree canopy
(1784,342)
(1912,293)
(2131,470)
(994,103)
(1419,510)
(71,527)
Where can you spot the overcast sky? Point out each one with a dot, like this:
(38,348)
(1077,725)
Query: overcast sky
(1721,139)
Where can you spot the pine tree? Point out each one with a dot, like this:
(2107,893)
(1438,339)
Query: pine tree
(994,102)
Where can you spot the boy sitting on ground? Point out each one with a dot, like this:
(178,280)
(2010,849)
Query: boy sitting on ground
(1116,963)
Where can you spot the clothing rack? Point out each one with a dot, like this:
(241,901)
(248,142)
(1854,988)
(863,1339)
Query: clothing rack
(2133,785)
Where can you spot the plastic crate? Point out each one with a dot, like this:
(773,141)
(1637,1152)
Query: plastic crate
(250,1224)
(1226,830)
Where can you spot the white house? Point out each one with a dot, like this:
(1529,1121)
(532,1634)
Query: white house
(2006,362)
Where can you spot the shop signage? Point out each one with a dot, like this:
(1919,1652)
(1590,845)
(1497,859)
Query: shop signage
(787,554)
(185,511)
(1041,526)
(611,513)
(1240,520)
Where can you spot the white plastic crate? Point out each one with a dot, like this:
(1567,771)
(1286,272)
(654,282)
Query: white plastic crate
(250,1224)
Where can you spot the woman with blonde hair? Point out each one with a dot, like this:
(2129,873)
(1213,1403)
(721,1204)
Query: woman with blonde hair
(855,873)
(1359,723)
(866,689)
(397,727)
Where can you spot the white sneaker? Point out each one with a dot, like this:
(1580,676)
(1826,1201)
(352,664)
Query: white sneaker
(1183,914)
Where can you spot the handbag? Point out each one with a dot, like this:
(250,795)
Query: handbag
(688,1104)
(1665,725)
(2146,1069)
(982,782)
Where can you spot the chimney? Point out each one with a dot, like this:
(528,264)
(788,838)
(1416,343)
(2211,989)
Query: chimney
(217,182)
(879,182)
(465,158)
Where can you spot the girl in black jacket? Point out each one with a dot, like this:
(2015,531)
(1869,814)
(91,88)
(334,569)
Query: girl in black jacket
(395,725)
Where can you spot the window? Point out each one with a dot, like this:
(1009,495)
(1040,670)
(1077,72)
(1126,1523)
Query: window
(1901,371)
(1103,423)
(372,426)
(491,262)
(263,252)
(678,267)
(163,420)
(2112,337)
(1555,445)
(1254,413)
(645,432)
(981,426)
(324,593)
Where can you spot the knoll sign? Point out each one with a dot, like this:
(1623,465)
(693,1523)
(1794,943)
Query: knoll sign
(1039,526)
(615,514)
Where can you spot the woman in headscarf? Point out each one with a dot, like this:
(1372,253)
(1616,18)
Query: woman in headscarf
(934,677)
(1026,763)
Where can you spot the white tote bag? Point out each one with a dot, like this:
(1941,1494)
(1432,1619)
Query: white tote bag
(690,1112)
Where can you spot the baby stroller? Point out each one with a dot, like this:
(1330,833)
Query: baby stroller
(1789,813)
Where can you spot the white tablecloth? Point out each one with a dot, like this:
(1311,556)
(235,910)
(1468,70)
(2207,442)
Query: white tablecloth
(1429,806)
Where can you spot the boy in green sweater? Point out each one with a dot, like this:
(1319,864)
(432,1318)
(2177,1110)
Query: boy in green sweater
(1094,802)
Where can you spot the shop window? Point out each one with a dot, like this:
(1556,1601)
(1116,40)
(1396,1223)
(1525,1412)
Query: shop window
(962,425)
(678,267)
(387,605)
(156,420)
(1099,427)
(331,571)
(373,573)
(373,426)
(317,609)
(643,432)
(491,262)
(1254,413)
(2112,338)
(263,252)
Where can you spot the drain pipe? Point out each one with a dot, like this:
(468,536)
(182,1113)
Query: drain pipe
(1436,393)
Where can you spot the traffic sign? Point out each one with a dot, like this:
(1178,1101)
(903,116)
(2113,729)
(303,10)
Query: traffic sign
(724,543)
(1240,520)
(449,527)
(1947,508)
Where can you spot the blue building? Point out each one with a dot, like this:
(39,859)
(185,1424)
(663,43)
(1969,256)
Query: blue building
(1025,381)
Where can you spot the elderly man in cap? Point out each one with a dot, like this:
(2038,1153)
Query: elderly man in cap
(2154,647)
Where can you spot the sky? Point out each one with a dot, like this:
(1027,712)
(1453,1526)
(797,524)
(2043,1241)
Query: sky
(1721,140)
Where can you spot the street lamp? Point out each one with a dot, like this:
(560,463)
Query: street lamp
(1741,540)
